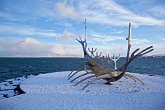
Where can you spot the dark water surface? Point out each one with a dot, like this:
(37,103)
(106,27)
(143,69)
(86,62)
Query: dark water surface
(17,67)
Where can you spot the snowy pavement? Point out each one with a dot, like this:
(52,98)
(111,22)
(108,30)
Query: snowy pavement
(54,92)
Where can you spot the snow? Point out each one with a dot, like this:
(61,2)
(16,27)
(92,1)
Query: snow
(54,92)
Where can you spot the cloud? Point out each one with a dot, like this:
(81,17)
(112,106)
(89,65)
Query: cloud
(140,41)
(68,35)
(117,41)
(117,44)
(29,31)
(158,49)
(30,47)
(158,11)
(8,16)
(121,48)
(26,30)
(30,43)
(163,38)
(66,11)
(65,50)
(105,39)
(108,12)
(99,14)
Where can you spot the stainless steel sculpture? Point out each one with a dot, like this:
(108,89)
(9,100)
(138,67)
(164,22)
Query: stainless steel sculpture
(98,71)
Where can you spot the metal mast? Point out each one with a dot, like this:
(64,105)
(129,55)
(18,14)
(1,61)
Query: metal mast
(85,29)
(129,42)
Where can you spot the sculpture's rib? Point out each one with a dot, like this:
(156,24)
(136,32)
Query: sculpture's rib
(134,78)
(84,79)
(105,75)
(81,76)
(75,73)
(75,68)
(91,82)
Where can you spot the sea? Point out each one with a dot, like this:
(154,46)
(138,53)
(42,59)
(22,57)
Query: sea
(19,67)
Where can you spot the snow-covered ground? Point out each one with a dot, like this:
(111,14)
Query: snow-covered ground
(54,92)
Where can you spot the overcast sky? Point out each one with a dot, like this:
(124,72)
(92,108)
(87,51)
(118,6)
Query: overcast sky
(48,28)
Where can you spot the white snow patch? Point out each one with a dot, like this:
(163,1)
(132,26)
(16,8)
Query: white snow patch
(54,92)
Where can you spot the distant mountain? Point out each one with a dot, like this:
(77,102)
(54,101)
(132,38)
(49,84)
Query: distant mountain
(160,55)
(157,55)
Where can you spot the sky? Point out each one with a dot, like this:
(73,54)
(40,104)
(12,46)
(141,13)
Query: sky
(48,28)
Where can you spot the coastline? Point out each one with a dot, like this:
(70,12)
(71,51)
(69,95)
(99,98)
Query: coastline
(54,91)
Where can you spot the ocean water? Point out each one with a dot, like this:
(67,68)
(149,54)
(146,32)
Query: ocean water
(18,67)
